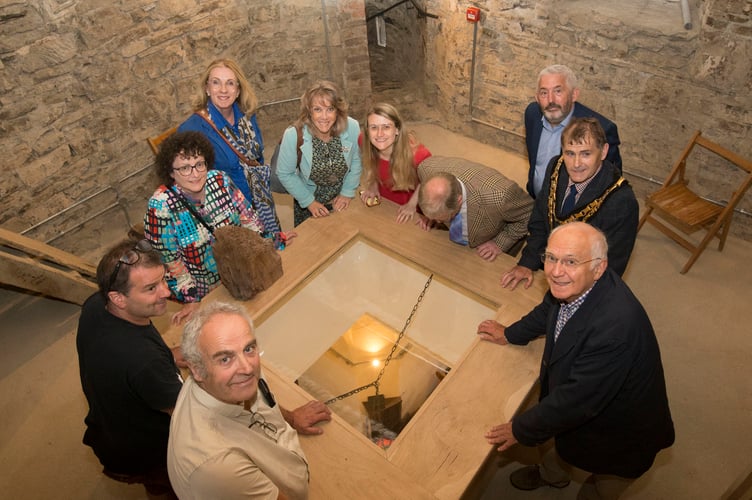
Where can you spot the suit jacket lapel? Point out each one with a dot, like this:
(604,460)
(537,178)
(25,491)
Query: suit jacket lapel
(567,338)
(533,141)
(572,330)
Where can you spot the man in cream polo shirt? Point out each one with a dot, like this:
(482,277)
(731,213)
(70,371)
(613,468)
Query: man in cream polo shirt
(228,437)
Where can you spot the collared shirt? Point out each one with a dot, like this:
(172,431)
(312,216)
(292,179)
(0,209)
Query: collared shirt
(566,311)
(460,236)
(579,186)
(548,147)
(213,453)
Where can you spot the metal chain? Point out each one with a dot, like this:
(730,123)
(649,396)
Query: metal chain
(376,382)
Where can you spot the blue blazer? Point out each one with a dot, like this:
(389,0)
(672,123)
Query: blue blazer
(534,127)
(602,389)
(225,158)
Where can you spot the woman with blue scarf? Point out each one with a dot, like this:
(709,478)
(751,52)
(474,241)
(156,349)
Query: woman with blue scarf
(225,115)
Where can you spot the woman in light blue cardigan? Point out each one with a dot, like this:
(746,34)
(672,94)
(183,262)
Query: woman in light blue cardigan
(325,173)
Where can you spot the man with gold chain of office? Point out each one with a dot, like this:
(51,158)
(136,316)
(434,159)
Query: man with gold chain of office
(590,189)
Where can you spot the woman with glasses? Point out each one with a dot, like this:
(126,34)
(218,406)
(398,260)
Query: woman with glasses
(390,161)
(193,201)
(319,159)
(225,114)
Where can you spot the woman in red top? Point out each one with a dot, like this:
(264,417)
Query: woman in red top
(390,161)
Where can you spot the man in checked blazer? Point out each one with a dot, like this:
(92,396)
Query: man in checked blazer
(482,209)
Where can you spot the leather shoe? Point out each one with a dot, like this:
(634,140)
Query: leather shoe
(529,478)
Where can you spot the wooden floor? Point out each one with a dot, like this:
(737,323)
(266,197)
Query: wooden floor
(441,449)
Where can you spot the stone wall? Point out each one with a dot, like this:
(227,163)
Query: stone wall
(85,82)
(401,61)
(636,63)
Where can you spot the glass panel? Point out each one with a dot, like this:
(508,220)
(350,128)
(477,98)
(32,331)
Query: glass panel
(365,294)
(356,359)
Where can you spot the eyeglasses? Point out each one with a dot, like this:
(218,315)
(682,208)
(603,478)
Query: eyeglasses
(567,262)
(186,170)
(130,257)
(269,429)
(266,392)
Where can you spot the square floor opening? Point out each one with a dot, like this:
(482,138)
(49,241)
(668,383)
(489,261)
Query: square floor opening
(334,333)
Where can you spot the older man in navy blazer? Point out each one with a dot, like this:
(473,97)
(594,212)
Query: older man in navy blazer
(602,389)
(555,105)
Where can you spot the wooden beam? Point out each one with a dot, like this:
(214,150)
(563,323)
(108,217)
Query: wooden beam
(43,251)
(29,274)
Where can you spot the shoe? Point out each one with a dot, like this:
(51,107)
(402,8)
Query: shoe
(529,478)
(123,477)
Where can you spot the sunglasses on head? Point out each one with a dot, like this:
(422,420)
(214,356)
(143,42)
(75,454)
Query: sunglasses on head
(130,257)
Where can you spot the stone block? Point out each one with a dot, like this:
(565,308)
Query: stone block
(98,25)
(157,63)
(106,78)
(170,9)
(38,169)
(21,27)
(741,30)
(49,51)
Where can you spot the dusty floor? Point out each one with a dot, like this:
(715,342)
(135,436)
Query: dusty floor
(702,321)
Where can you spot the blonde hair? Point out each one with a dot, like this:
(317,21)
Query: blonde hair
(247,100)
(401,165)
(330,92)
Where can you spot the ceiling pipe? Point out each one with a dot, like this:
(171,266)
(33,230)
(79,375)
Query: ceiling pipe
(686,15)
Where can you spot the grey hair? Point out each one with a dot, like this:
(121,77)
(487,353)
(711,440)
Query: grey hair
(598,241)
(192,330)
(599,245)
(432,204)
(559,69)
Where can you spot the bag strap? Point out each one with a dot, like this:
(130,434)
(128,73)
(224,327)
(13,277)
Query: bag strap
(205,115)
(300,143)
(192,210)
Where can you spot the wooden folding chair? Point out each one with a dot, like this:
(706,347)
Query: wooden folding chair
(155,141)
(680,209)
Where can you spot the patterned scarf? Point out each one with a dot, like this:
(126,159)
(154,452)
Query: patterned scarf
(243,140)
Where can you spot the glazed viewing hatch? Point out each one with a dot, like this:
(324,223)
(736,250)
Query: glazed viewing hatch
(342,322)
